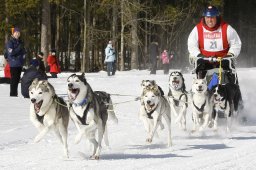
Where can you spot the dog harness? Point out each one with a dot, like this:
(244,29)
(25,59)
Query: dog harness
(202,107)
(177,101)
(83,119)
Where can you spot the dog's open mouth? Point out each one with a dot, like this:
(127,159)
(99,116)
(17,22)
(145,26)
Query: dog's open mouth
(150,106)
(73,93)
(175,83)
(37,106)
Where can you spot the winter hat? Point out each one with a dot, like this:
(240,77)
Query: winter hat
(16,29)
(41,53)
(34,62)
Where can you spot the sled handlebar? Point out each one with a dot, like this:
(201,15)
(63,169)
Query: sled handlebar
(214,60)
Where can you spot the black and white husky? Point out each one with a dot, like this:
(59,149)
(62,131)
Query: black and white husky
(48,111)
(154,108)
(202,105)
(226,99)
(178,98)
(89,111)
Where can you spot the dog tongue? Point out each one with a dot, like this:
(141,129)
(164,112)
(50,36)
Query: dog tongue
(37,107)
(175,84)
(72,96)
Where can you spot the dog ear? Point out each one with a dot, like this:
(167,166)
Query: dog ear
(35,81)
(183,88)
(83,78)
(142,82)
(153,82)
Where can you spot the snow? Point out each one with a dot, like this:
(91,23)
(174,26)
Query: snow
(128,148)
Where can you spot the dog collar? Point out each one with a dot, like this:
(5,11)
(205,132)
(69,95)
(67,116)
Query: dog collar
(83,102)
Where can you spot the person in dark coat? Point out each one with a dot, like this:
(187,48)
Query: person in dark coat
(40,58)
(153,56)
(30,74)
(15,55)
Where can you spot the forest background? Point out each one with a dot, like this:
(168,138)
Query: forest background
(79,30)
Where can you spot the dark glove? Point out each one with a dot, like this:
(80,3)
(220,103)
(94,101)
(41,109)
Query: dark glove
(229,55)
(200,56)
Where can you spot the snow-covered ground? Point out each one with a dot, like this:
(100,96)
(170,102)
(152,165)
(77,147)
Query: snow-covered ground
(128,149)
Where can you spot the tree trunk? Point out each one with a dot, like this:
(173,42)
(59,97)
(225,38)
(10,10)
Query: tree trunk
(45,27)
(83,69)
(122,37)
(134,55)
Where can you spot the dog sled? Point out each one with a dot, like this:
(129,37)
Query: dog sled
(222,73)
(225,74)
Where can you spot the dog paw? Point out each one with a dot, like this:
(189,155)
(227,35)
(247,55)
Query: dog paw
(149,140)
(94,157)
(37,139)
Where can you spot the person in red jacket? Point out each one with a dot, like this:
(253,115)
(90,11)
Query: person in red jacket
(53,63)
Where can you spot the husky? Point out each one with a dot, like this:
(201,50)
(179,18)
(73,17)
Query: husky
(89,111)
(178,98)
(226,99)
(154,108)
(202,105)
(150,84)
(48,111)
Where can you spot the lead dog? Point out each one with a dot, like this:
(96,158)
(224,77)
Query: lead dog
(202,105)
(154,108)
(89,112)
(178,98)
(226,99)
(48,111)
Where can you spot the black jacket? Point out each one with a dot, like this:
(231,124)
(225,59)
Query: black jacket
(30,74)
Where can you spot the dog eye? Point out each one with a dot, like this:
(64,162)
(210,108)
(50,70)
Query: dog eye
(40,93)
(77,81)
(31,92)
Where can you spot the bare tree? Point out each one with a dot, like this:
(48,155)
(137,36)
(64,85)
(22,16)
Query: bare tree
(45,27)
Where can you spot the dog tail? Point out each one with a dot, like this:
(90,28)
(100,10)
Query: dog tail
(111,112)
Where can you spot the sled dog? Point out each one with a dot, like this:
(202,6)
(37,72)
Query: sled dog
(178,98)
(147,85)
(154,108)
(48,111)
(201,106)
(226,99)
(89,111)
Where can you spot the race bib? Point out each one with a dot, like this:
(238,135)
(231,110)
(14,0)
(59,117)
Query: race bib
(213,40)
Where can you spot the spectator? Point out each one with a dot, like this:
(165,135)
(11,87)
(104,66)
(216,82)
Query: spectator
(166,61)
(16,54)
(53,63)
(153,56)
(110,58)
(40,58)
(30,74)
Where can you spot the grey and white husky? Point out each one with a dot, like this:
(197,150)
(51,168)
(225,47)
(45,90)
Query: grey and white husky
(178,98)
(202,105)
(48,111)
(89,111)
(155,108)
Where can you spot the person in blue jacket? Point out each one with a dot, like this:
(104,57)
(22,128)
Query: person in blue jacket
(15,56)
(110,58)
